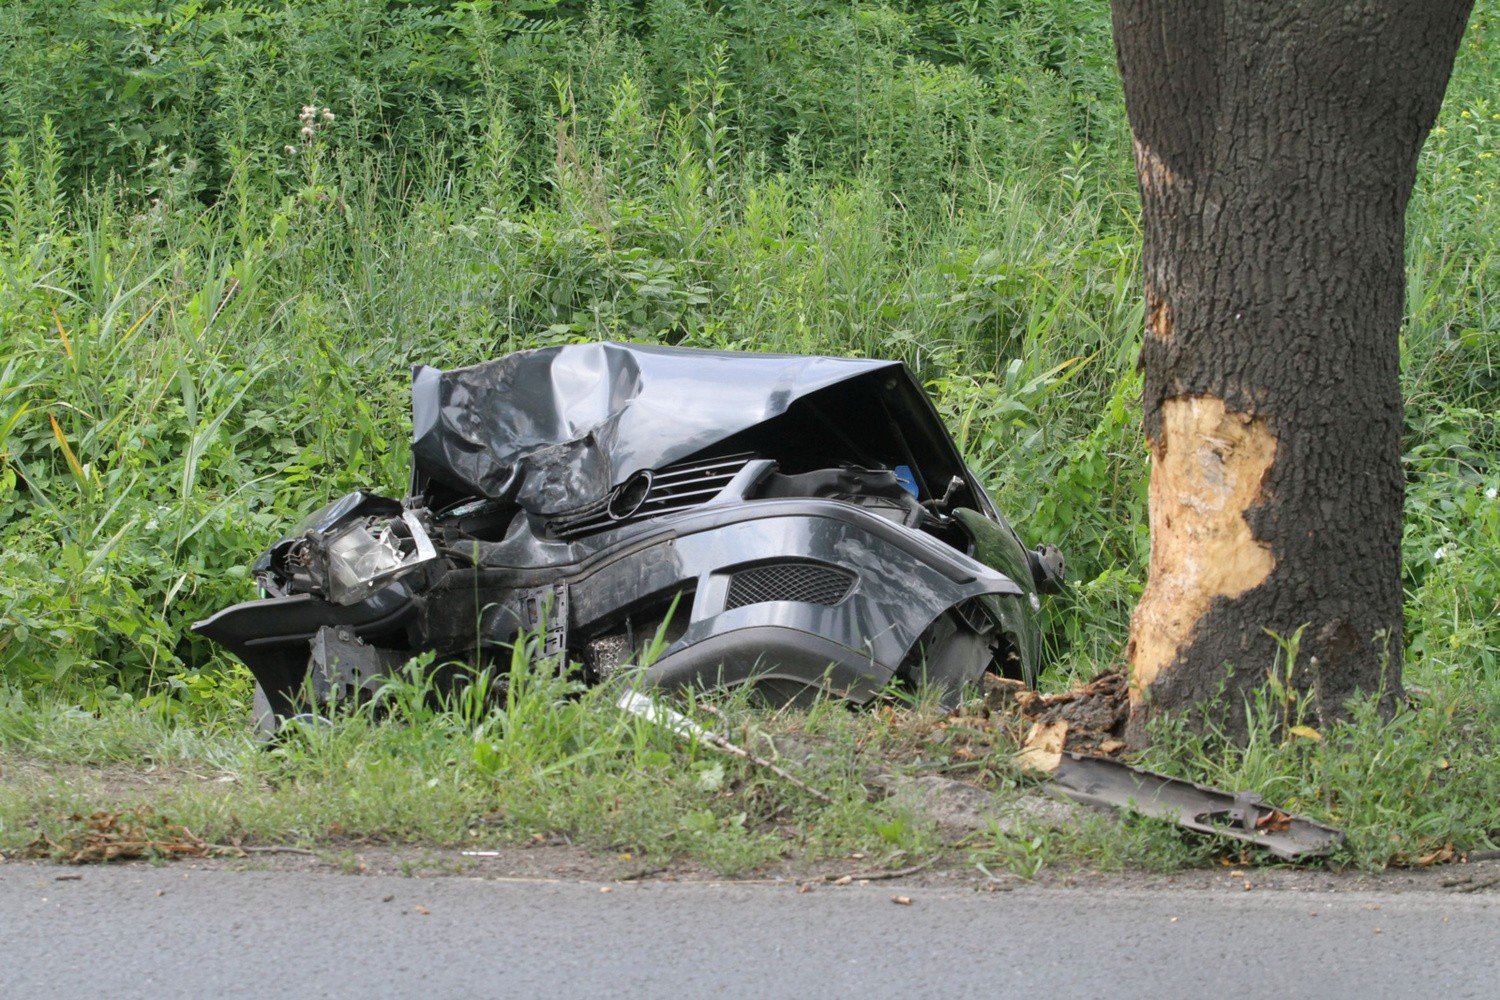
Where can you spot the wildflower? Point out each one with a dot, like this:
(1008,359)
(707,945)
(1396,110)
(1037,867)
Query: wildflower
(291,151)
(327,115)
(307,131)
(1440,553)
(1492,492)
(308,110)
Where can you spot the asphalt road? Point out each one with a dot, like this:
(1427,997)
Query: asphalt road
(165,932)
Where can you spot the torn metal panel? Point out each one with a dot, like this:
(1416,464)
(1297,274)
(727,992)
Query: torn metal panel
(1240,815)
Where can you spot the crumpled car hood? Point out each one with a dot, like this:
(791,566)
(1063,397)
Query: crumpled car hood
(554,429)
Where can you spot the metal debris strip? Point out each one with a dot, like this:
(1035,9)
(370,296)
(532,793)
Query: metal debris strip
(675,722)
(1240,815)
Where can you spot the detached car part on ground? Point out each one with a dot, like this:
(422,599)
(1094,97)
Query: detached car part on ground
(800,524)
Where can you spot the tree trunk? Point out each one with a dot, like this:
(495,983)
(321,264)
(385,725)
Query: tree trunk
(1275,148)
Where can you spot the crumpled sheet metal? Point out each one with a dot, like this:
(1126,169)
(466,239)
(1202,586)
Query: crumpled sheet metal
(554,429)
(1242,816)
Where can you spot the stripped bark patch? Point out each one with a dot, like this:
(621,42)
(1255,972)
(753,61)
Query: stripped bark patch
(1207,467)
(1159,319)
(1151,169)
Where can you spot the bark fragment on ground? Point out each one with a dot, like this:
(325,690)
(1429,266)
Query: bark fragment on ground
(1094,714)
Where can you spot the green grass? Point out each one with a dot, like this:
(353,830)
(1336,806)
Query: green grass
(547,758)
(203,336)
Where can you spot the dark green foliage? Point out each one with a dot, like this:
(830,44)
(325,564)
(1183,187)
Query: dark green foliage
(916,89)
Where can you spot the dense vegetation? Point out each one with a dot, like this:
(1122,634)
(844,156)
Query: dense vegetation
(211,290)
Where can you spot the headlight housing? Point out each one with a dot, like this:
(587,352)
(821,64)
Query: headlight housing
(368,555)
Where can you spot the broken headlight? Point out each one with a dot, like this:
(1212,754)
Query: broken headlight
(369,554)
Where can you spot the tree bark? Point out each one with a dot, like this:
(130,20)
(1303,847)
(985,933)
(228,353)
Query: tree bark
(1275,148)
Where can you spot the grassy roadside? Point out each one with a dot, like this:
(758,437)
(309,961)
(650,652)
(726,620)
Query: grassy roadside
(551,761)
(207,316)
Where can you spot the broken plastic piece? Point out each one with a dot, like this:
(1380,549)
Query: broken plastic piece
(1243,815)
(675,722)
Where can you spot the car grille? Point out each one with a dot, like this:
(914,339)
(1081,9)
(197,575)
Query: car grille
(672,489)
(809,583)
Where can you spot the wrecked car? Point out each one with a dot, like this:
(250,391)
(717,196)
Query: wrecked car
(799,524)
